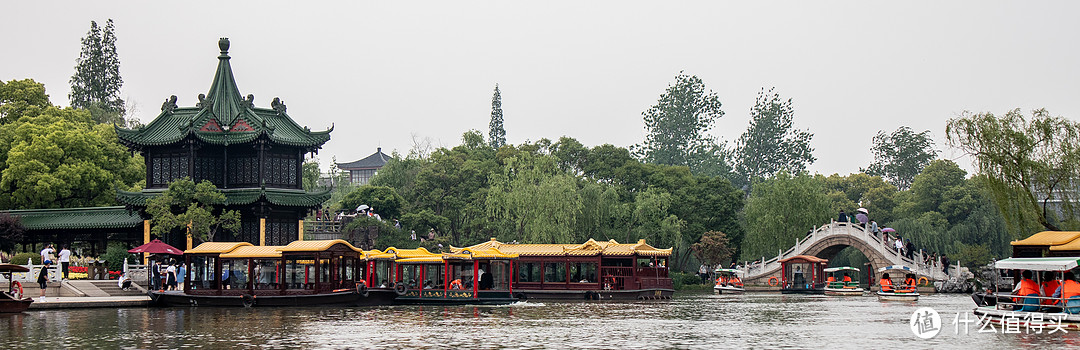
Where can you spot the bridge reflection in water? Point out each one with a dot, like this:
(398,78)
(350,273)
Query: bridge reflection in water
(829,239)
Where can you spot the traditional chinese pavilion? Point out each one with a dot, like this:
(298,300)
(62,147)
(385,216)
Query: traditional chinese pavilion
(252,154)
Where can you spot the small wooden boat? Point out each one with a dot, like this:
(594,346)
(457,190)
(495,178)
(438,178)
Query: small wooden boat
(303,273)
(471,276)
(891,291)
(840,282)
(728,282)
(802,274)
(13,300)
(1032,311)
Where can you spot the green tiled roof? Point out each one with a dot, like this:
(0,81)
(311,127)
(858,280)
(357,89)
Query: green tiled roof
(78,218)
(234,117)
(243,196)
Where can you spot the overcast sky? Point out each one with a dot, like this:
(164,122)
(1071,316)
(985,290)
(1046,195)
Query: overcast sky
(384,73)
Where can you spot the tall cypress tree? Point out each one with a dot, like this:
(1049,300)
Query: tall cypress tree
(96,82)
(497,133)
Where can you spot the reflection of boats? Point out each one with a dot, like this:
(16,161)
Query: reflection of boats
(728,282)
(594,270)
(13,300)
(467,277)
(841,283)
(1033,311)
(802,274)
(299,274)
(891,291)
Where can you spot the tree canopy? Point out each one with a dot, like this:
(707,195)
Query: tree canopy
(199,206)
(17,96)
(781,210)
(97,82)
(771,144)
(678,126)
(496,133)
(899,156)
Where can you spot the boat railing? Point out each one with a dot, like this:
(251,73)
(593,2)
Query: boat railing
(1021,302)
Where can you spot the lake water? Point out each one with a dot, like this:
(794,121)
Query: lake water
(691,320)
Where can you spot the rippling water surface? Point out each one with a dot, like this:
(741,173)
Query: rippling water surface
(691,320)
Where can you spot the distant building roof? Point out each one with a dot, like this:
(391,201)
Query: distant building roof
(374,161)
(78,218)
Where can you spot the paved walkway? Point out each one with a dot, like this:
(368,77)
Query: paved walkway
(84,302)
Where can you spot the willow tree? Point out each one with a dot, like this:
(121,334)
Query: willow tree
(534,200)
(1032,164)
(781,210)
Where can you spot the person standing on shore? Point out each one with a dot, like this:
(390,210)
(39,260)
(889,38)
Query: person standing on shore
(43,277)
(65,261)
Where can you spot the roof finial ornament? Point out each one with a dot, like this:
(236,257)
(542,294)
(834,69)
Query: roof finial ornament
(169,105)
(250,101)
(204,102)
(278,106)
(223,44)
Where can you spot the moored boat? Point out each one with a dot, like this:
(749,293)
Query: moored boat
(13,300)
(728,282)
(802,274)
(472,277)
(840,283)
(1035,310)
(302,273)
(893,291)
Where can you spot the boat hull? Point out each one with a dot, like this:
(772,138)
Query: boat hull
(8,305)
(728,290)
(886,296)
(631,294)
(847,292)
(346,298)
(1024,319)
(455,297)
(802,291)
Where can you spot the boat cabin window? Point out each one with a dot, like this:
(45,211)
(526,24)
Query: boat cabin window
(267,273)
(528,272)
(300,272)
(499,279)
(234,273)
(348,272)
(799,273)
(583,272)
(324,270)
(410,275)
(555,272)
(433,276)
(617,262)
(462,270)
(381,276)
(202,272)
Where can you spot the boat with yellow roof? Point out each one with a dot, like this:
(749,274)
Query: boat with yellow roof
(594,270)
(302,273)
(481,276)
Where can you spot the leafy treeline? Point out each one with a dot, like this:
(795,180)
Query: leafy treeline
(561,191)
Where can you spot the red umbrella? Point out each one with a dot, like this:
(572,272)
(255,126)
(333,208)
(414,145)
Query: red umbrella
(156,247)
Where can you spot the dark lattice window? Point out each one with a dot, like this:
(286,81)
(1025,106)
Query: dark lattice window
(281,231)
(167,167)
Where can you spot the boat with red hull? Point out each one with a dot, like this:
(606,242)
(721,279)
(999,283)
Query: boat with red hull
(13,300)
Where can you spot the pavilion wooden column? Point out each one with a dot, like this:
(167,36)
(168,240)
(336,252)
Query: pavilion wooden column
(301,238)
(262,231)
(146,239)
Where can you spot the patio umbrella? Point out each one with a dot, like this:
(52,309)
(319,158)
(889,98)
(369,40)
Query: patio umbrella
(156,247)
(888,229)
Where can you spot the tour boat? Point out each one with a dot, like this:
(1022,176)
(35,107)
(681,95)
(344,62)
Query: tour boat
(1032,311)
(905,291)
(594,270)
(480,277)
(802,274)
(840,282)
(302,273)
(13,300)
(728,282)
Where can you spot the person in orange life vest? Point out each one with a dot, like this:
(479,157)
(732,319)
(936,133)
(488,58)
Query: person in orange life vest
(1068,289)
(910,280)
(846,277)
(831,279)
(1050,284)
(886,283)
(1027,287)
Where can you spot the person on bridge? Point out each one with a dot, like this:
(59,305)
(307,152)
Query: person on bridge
(843,217)
(863,219)
(886,283)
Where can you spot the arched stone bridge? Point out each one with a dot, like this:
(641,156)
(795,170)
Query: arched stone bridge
(829,239)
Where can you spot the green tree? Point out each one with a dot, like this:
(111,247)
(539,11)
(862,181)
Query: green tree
(496,133)
(1031,164)
(11,232)
(781,210)
(537,202)
(713,248)
(311,174)
(198,206)
(771,144)
(60,158)
(678,126)
(899,156)
(385,200)
(17,96)
(97,82)
(930,187)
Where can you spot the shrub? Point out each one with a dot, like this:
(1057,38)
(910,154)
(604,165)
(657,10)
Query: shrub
(680,279)
(22,258)
(115,255)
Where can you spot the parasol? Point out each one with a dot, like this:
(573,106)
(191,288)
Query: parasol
(156,247)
